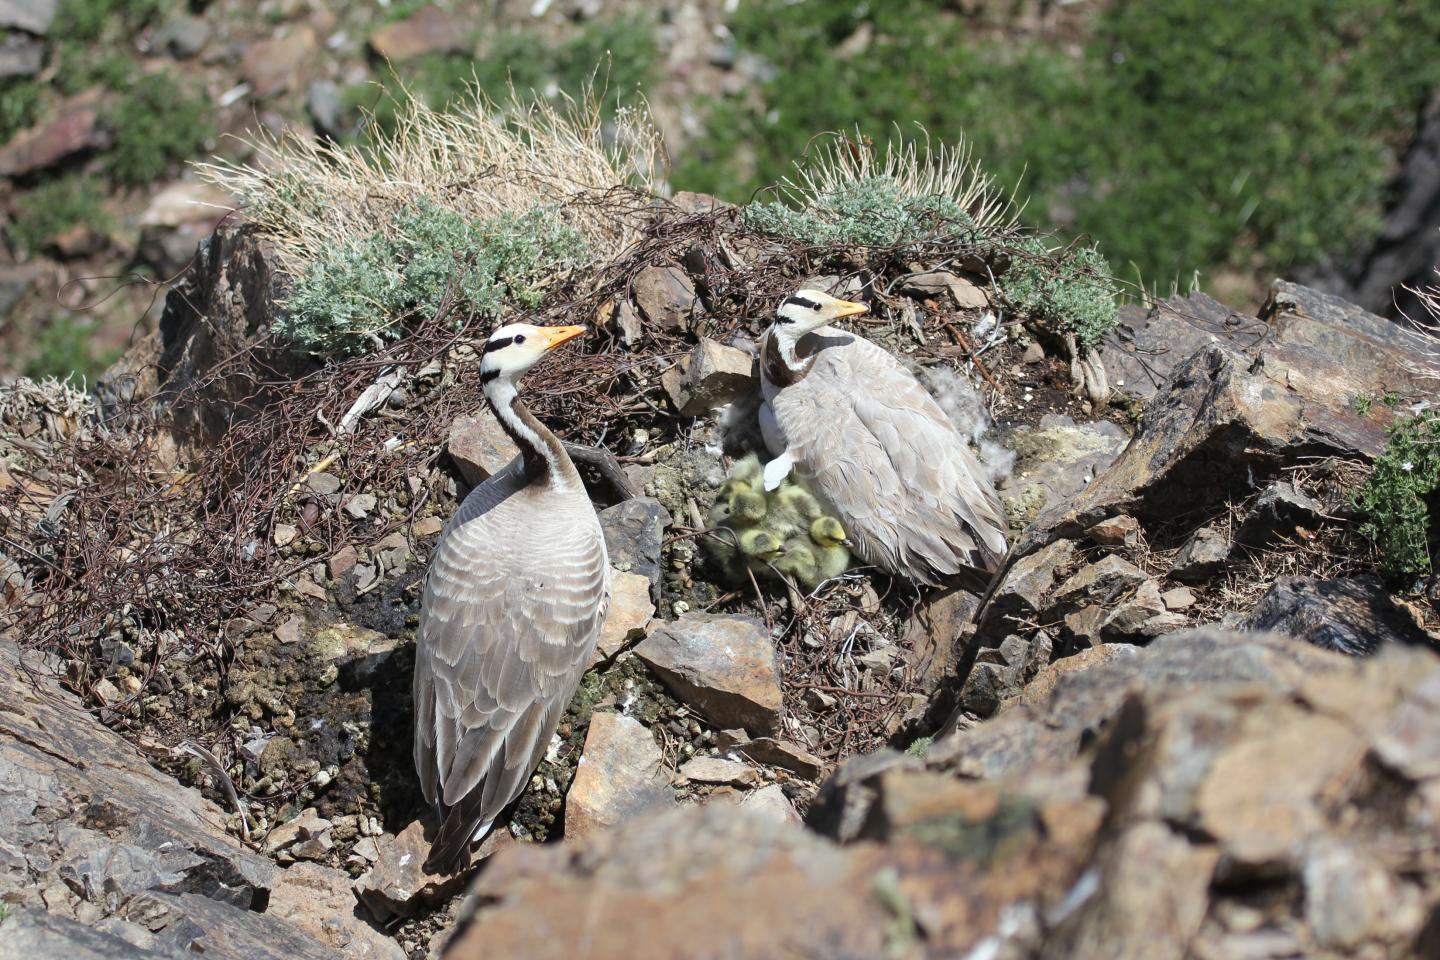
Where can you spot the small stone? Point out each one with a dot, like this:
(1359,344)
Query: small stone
(711,376)
(308,826)
(724,666)
(785,755)
(665,296)
(182,37)
(285,534)
(719,770)
(629,613)
(479,446)
(342,561)
(105,693)
(274,66)
(427,30)
(1121,531)
(428,526)
(619,777)
(1179,598)
(399,886)
(935,283)
(1275,515)
(75,126)
(325,484)
(1100,582)
(634,530)
(1202,556)
(1034,353)
(359,505)
(20,56)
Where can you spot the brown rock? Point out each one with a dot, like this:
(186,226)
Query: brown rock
(187,202)
(304,827)
(719,770)
(479,446)
(937,283)
(342,561)
(319,900)
(691,203)
(620,776)
(399,886)
(1100,582)
(628,615)
(275,66)
(427,30)
(1179,598)
(75,127)
(1021,596)
(712,375)
(724,666)
(1354,615)
(771,803)
(1202,556)
(1119,531)
(428,526)
(665,296)
(785,755)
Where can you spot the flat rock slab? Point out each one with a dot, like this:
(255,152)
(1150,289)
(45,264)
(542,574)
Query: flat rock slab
(629,613)
(1350,615)
(619,778)
(634,530)
(479,446)
(724,666)
(319,900)
(398,885)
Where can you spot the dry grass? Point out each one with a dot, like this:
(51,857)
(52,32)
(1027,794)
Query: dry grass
(1428,327)
(482,160)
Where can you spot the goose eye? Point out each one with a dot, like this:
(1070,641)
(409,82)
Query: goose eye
(815,307)
(519,338)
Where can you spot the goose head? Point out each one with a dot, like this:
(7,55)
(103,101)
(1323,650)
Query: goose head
(807,310)
(828,532)
(761,544)
(515,348)
(747,506)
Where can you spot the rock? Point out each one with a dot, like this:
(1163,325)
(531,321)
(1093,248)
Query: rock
(724,666)
(359,505)
(634,532)
(21,56)
(785,755)
(630,611)
(307,826)
(1054,462)
(1202,556)
(479,446)
(936,283)
(771,803)
(845,798)
(1350,615)
(1141,617)
(428,526)
(1000,673)
(274,66)
(719,770)
(1350,898)
(1119,531)
(620,776)
(711,376)
(319,900)
(1021,595)
(665,296)
(691,204)
(326,107)
(187,202)
(1171,332)
(427,30)
(1100,582)
(291,630)
(342,561)
(398,885)
(1180,598)
(73,126)
(1275,514)
(181,38)
(32,16)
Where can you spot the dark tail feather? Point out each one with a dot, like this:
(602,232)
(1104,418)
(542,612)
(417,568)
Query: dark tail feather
(450,853)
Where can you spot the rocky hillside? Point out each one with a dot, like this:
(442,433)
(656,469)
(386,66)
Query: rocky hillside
(1195,714)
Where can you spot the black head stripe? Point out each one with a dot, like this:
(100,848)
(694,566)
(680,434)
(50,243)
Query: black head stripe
(492,345)
(801,302)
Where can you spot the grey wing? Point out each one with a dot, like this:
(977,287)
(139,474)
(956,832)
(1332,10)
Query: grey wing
(883,452)
(504,638)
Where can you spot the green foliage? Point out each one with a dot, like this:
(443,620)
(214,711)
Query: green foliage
(1361,403)
(158,123)
(920,747)
(83,67)
(873,211)
(90,20)
(19,100)
(1402,497)
(363,293)
(64,349)
(1070,290)
(56,206)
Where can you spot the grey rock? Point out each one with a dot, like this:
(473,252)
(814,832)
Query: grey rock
(1002,672)
(32,16)
(665,296)
(1155,341)
(1275,514)
(1021,596)
(726,667)
(20,56)
(1054,462)
(1202,556)
(1099,582)
(843,803)
(711,376)
(325,106)
(937,283)
(1349,615)
(620,776)
(634,532)
(31,934)
(182,37)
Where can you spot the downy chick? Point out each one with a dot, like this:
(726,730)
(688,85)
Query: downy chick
(800,562)
(747,506)
(832,554)
(744,474)
(792,508)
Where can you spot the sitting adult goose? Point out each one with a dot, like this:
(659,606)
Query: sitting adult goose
(513,604)
(863,433)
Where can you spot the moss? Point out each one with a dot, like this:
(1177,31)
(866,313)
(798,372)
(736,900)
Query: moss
(56,206)
(1401,499)
(362,294)
(982,842)
(82,67)
(157,124)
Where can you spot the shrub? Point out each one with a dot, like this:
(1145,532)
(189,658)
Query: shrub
(64,350)
(1402,497)
(56,206)
(19,100)
(1070,290)
(351,299)
(83,67)
(88,20)
(157,124)
(871,211)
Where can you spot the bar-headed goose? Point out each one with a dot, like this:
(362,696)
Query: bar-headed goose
(513,603)
(861,431)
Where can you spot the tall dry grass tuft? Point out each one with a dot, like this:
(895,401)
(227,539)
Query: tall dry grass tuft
(1427,364)
(480,159)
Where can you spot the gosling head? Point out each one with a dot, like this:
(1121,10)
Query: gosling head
(747,506)
(807,310)
(515,347)
(829,532)
(761,544)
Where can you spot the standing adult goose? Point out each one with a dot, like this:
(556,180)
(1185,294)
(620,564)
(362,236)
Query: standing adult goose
(863,433)
(513,603)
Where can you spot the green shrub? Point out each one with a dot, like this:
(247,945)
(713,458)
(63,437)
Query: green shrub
(1402,497)
(64,349)
(83,67)
(349,301)
(1070,290)
(872,210)
(56,206)
(90,20)
(158,123)
(19,101)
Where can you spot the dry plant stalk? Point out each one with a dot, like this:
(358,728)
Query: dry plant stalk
(937,170)
(1428,328)
(481,160)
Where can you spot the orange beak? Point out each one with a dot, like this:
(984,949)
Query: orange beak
(554,336)
(845,308)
